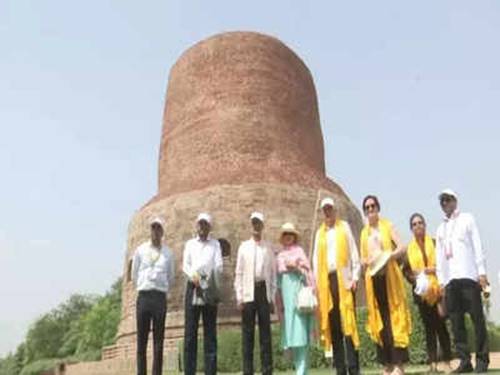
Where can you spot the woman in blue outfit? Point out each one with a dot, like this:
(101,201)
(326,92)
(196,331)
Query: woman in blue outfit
(294,271)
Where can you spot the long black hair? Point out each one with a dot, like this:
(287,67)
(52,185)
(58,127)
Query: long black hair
(413,216)
(375,200)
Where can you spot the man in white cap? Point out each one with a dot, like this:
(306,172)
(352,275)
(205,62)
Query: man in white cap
(153,272)
(202,265)
(461,271)
(336,267)
(255,286)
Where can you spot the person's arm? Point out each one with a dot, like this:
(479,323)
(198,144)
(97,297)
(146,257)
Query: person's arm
(363,250)
(400,249)
(432,270)
(171,269)
(280,264)
(315,254)
(186,262)
(407,271)
(440,259)
(136,263)
(304,266)
(355,263)
(238,276)
(479,253)
(274,276)
(218,263)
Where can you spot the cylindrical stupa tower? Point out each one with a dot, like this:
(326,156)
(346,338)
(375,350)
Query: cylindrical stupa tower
(241,132)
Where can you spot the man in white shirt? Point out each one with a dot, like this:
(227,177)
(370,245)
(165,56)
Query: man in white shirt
(255,286)
(461,271)
(344,350)
(153,272)
(202,266)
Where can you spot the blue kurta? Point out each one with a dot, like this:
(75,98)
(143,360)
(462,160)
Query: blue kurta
(296,326)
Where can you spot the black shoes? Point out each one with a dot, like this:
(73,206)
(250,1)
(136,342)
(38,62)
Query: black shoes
(463,367)
(481,367)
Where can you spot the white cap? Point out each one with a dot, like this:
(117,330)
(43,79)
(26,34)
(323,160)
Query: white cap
(257,215)
(448,192)
(289,228)
(204,216)
(327,202)
(157,220)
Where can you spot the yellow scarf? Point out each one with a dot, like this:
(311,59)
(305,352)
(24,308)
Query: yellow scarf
(416,260)
(400,315)
(347,309)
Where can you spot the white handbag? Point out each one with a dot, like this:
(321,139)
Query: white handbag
(422,284)
(306,300)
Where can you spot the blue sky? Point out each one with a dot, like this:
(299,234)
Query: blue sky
(409,99)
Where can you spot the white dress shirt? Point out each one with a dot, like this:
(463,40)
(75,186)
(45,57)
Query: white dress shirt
(459,252)
(351,273)
(153,268)
(255,263)
(202,257)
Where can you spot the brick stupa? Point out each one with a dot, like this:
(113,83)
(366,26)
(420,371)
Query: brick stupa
(241,132)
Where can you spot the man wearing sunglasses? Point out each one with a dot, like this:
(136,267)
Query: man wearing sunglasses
(461,271)
(336,269)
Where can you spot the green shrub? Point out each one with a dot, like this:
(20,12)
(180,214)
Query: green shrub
(9,365)
(367,349)
(494,337)
(418,346)
(40,366)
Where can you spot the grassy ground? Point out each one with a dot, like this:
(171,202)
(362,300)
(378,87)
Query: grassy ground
(411,370)
(414,370)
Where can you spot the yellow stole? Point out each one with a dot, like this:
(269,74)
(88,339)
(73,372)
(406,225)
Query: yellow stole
(347,309)
(396,295)
(416,260)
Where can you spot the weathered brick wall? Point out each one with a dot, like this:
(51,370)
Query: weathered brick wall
(240,108)
(119,366)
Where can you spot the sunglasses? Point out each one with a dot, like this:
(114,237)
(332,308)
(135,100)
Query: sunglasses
(446,199)
(370,206)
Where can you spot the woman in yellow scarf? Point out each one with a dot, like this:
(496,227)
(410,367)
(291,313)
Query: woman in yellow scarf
(420,270)
(389,321)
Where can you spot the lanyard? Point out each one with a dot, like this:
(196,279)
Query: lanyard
(448,235)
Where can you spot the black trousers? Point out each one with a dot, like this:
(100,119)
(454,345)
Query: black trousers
(261,308)
(387,354)
(345,356)
(464,296)
(435,328)
(151,307)
(192,317)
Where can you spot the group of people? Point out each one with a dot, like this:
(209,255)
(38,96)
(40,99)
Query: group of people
(315,298)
